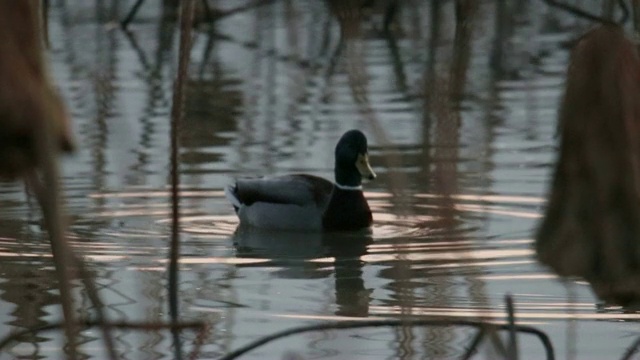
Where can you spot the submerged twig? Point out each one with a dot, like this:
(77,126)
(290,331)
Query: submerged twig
(631,350)
(490,330)
(210,14)
(587,15)
(544,339)
(132,13)
(124,325)
(473,347)
(249,6)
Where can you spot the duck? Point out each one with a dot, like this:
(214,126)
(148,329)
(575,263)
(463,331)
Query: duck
(303,202)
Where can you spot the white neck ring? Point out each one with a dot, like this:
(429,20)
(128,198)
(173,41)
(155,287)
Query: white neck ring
(346,187)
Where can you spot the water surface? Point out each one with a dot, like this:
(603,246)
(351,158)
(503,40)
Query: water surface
(454,207)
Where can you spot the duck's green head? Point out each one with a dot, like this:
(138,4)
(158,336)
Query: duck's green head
(352,159)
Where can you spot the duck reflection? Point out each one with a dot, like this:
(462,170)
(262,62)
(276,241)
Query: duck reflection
(307,255)
(352,298)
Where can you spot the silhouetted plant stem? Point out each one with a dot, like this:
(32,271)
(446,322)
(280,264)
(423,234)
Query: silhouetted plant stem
(177,111)
(584,14)
(132,13)
(636,16)
(503,21)
(512,347)
(390,14)
(492,331)
(465,18)
(210,14)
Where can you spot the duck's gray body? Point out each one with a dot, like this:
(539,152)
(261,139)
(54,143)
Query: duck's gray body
(306,202)
(290,202)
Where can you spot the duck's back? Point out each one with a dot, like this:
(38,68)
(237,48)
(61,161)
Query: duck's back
(291,202)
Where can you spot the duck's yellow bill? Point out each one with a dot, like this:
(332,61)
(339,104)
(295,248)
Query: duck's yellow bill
(362,164)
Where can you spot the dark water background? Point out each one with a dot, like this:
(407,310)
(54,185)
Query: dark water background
(267,96)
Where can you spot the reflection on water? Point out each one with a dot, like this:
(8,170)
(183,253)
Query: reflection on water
(270,91)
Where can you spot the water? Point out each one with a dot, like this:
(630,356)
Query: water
(265,98)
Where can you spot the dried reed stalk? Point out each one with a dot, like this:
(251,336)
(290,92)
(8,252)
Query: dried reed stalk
(591,227)
(33,126)
(27,97)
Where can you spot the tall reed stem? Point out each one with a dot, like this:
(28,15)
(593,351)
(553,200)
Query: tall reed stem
(177,112)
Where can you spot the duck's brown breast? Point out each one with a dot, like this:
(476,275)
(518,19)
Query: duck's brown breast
(347,210)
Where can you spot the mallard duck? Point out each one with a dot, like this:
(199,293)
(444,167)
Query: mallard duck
(307,202)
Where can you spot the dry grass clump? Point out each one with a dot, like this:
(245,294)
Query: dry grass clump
(591,227)
(28,99)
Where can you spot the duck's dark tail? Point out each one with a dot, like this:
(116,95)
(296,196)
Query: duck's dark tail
(230,192)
